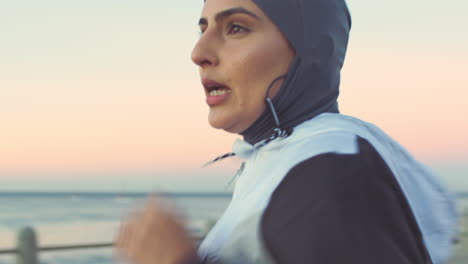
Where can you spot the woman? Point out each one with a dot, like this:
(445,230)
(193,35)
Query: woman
(316,186)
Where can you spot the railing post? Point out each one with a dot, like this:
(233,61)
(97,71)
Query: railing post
(26,247)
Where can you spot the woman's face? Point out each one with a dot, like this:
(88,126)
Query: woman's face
(240,52)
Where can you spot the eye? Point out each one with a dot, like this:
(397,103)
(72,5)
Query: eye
(235,29)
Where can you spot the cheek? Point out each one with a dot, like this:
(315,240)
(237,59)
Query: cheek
(256,68)
(260,64)
(265,61)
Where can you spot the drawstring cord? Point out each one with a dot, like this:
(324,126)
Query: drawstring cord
(270,103)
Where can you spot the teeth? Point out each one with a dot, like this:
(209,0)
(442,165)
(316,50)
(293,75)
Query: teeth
(219,92)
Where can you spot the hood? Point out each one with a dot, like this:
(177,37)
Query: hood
(318,30)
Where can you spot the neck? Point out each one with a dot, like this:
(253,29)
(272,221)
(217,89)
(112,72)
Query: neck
(260,129)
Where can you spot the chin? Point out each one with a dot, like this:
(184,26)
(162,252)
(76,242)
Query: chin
(221,125)
(224,124)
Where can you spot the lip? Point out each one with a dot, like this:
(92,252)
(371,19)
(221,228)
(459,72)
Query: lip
(209,86)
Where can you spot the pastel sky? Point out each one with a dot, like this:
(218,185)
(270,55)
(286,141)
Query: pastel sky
(99,86)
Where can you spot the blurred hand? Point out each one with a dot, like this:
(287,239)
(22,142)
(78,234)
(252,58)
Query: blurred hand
(155,235)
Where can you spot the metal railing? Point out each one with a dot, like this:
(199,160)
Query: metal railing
(27,249)
(58,248)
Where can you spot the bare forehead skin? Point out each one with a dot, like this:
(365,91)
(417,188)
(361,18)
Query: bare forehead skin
(212,7)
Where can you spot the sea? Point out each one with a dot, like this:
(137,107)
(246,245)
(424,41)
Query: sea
(60,219)
(87,218)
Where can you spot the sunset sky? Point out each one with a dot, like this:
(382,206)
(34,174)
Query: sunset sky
(106,87)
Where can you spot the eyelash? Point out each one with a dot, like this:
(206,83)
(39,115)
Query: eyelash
(241,29)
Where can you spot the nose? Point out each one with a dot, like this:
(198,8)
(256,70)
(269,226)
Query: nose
(205,52)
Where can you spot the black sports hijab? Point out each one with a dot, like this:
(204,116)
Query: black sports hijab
(318,30)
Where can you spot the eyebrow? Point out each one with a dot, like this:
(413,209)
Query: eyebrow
(227,13)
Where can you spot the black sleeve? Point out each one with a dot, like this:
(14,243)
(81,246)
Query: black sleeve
(336,208)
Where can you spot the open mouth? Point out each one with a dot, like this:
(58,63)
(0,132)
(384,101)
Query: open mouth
(216,91)
(214,88)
